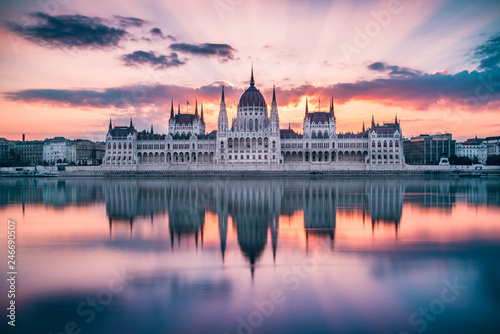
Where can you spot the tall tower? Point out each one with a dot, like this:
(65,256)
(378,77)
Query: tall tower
(275,120)
(222,123)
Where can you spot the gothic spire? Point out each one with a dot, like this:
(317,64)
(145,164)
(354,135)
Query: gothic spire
(196,109)
(363,126)
(373,121)
(396,119)
(178,109)
(222,100)
(274,94)
(152,129)
(131,125)
(252,80)
(110,126)
(307,107)
(202,113)
(172,110)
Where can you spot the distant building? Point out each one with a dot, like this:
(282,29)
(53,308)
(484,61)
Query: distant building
(4,151)
(493,145)
(59,150)
(473,148)
(89,152)
(428,149)
(30,151)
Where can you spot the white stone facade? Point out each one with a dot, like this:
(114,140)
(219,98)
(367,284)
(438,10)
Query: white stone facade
(473,148)
(59,150)
(254,141)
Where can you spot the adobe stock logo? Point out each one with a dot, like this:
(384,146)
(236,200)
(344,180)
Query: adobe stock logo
(436,307)
(364,36)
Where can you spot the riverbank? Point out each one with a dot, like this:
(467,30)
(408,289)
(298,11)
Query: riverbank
(409,171)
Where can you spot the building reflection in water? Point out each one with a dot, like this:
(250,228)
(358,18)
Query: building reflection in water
(254,206)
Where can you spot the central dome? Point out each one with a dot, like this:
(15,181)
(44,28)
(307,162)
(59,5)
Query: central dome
(252,97)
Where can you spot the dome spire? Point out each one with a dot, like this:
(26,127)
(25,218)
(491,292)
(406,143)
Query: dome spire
(252,80)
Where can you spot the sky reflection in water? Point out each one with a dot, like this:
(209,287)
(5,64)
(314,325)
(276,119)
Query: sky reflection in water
(255,255)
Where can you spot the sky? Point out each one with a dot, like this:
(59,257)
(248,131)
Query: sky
(69,66)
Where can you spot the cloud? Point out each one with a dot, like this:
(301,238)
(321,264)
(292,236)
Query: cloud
(394,71)
(489,53)
(156,32)
(223,51)
(126,22)
(125,96)
(68,31)
(470,91)
(151,58)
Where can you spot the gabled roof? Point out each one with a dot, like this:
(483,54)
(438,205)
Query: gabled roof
(122,131)
(211,135)
(185,119)
(319,117)
(149,136)
(289,133)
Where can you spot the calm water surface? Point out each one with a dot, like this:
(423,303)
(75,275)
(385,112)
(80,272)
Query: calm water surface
(355,255)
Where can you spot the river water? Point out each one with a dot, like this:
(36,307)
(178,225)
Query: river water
(248,255)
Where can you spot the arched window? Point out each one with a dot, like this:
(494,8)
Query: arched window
(385,143)
(130,146)
(256,125)
(390,143)
(250,125)
(379,144)
(119,146)
(221,144)
(114,146)
(274,144)
(373,144)
(397,144)
(109,146)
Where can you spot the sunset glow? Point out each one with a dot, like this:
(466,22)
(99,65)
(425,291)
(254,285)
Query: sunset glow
(69,66)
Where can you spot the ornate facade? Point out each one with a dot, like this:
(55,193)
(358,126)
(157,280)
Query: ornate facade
(254,141)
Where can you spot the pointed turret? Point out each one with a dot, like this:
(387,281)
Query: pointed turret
(202,113)
(196,109)
(110,126)
(363,126)
(178,109)
(131,125)
(172,110)
(275,120)
(373,121)
(332,109)
(222,122)
(396,119)
(252,80)
(152,129)
(307,108)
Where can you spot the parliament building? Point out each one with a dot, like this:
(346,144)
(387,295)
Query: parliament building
(254,141)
